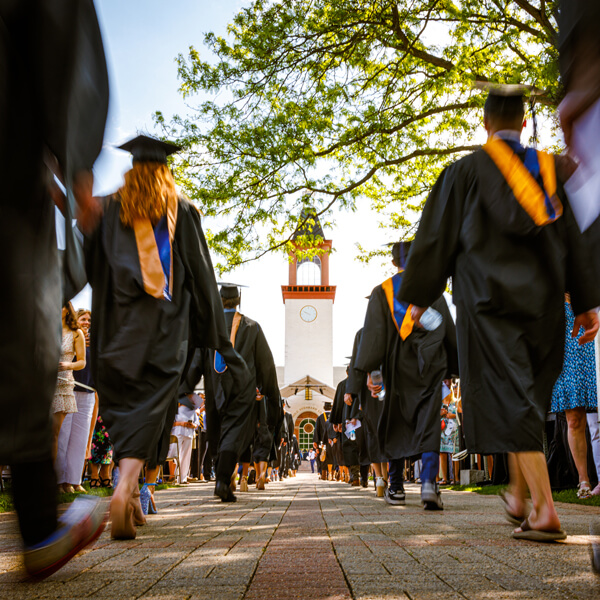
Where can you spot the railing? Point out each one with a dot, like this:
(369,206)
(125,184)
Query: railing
(308,288)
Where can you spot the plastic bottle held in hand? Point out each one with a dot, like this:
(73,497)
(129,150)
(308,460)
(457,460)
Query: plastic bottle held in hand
(377,379)
(431,319)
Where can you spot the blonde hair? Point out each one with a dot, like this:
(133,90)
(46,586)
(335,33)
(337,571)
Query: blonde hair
(149,186)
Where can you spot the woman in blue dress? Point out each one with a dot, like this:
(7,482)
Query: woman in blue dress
(575,394)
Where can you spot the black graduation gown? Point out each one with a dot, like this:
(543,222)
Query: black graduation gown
(340,413)
(413,370)
(509,278)
(44,75)
(279,434)
(370,408)
(295,454)
(289,424)
(140,344)
(321,438)
(251,344)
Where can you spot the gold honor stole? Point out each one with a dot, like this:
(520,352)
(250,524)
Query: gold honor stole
(401,312)
(542,205)
(153,276)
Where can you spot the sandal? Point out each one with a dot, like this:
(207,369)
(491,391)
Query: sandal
(105,483)
(583,490)
(95,483)
(538,535)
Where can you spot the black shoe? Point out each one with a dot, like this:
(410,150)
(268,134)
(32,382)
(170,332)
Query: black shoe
(431,496)
(365,483)
(397,498)
(224,492)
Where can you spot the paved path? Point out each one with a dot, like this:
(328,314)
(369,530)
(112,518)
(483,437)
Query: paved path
(307,539)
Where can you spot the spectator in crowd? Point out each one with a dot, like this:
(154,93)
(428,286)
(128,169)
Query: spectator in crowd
(575,393)
(593,425)
(449,440)
(72,347)
(75,433)
(311,457)
(101,456)
(184,429)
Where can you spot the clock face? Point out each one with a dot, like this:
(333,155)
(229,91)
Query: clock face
(308,313)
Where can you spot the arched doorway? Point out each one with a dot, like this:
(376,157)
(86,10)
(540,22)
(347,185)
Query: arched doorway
(304,429)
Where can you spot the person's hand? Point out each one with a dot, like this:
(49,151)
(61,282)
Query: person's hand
(348,399)
(444,412)
(89,210)
(374,389)
(65,366)
(416,312)
(589,321)
(353,422)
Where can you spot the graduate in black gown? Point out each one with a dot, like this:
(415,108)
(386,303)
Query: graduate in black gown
(370,409)
(155,299)
(341,415)
(499,223)
(53,107)
(321,441)
(289,433)
(250,342)
(413,362)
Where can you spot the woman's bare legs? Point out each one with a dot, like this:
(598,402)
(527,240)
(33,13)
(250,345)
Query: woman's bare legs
(57,421)
(576,422)
(444,465)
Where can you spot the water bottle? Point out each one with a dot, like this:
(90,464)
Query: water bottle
(431,319)
(377,379)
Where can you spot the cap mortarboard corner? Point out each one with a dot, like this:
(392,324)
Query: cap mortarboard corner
(148,149)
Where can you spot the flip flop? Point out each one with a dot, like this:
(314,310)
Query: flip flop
(538,535)
(510,517)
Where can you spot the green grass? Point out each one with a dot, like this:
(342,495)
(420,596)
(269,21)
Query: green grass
(6,503)
(568,496)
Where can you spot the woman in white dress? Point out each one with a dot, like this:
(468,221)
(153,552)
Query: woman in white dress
(72,358)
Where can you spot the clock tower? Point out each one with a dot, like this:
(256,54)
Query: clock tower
(309,377)
(308,300)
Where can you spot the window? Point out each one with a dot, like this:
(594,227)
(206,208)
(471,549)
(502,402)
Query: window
(306,430)
(309,271)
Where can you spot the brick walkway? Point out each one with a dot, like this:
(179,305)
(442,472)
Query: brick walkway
(304,538)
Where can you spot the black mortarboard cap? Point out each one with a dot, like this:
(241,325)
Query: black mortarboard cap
(327,405)
(230,290)
(147,149)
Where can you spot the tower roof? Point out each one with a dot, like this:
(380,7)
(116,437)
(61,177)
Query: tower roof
(309,224)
